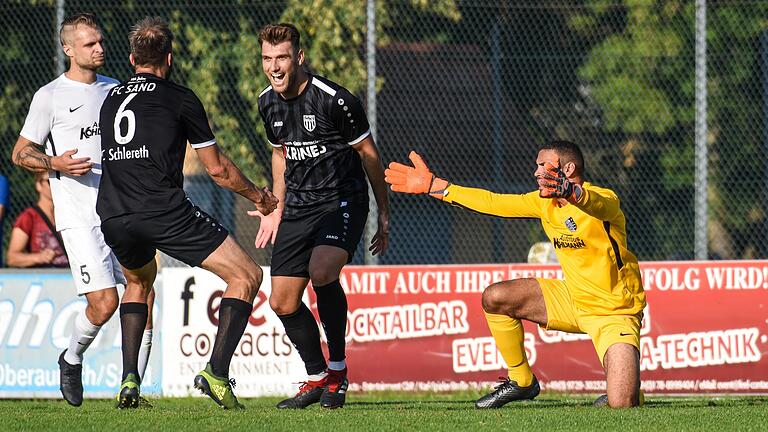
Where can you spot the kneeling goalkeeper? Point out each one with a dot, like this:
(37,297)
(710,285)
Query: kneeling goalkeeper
(602,294)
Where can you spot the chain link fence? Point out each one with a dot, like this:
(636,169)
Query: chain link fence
(474,86)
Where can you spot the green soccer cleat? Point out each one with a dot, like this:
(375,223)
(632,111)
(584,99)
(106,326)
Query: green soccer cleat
(128,397)
(218,389)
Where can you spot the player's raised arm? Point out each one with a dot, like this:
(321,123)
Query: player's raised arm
(227,175)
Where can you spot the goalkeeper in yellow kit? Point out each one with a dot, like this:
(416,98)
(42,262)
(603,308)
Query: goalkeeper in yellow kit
(602,294)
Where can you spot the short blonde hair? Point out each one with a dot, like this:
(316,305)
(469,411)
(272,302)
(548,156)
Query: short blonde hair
(71,22)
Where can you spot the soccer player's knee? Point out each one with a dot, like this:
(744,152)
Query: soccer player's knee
(282,307)
(492,299)
(322,275)
(103,310)
(254,277)
(247,280)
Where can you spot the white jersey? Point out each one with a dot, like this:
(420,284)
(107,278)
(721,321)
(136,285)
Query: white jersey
(64,115)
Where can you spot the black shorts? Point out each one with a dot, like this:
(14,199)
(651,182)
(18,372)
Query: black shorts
(340,226)
(185,233)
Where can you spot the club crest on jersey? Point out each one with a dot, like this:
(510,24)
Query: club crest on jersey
(570,224)
(309,122)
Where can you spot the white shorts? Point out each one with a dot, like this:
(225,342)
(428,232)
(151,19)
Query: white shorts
(94,266)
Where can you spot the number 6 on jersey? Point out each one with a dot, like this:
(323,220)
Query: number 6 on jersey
(123,113)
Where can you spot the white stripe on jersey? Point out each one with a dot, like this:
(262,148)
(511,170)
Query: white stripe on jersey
(203,144)
(361,137)
(269,87)
(66,114)
(323,86)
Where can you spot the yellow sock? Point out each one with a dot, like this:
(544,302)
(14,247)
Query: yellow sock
(509,337)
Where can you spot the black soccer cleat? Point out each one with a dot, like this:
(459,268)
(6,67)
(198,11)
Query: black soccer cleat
(601,401)
(128,397)
(309,393)
(71,381)
(335,392)
(508,391)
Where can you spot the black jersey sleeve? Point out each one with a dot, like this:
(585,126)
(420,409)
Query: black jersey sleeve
(267,128)
(348,115)
(195,122)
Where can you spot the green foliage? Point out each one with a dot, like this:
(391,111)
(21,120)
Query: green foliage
(642,77)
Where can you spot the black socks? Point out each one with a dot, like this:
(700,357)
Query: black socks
(332,306)
(133,319)
(301,328)
(233,318)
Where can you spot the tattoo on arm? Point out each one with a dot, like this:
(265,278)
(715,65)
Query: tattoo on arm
(31,158)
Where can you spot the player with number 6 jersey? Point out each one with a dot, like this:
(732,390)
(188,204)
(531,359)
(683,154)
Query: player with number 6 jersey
(146,124)
(64,116)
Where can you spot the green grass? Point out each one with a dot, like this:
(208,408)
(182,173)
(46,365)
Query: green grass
(394,412)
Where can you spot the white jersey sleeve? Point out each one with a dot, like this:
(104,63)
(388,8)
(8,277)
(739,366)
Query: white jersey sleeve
(39,120)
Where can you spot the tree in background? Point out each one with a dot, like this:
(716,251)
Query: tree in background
(641,76)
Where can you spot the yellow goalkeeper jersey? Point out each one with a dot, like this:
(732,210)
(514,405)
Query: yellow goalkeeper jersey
(590,239)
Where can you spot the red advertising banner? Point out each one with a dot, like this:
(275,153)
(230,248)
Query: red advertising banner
(422,328)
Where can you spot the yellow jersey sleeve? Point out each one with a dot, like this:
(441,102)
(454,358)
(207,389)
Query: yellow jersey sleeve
(505,205)
(599,203)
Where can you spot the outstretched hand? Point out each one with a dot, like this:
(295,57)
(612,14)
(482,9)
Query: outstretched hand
(417,179)
(414,180)
(555,184)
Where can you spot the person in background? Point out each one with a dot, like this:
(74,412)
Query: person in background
(34,240)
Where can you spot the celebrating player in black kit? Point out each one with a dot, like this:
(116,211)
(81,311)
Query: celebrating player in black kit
(145,124)
(322,150)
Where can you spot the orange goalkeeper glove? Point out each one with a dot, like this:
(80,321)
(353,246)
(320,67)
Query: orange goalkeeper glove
(417,179)
(556,185)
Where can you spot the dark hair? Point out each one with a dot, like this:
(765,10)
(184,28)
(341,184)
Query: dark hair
(278,33)
(71,22)
(151,41)
(567,152)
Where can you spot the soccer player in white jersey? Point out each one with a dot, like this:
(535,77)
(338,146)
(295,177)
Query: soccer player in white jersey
(64,116)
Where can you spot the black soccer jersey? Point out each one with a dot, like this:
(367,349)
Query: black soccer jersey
(316,131)
(145,125)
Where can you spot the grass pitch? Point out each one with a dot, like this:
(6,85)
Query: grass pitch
(395,412)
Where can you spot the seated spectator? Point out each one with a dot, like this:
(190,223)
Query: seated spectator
(5,200)
(34,240)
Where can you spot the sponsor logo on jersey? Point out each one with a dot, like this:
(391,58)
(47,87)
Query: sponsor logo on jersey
(277,123)
(75,108)
(300,150)
(571,224)
(567,241)
(90,131)
(309,122)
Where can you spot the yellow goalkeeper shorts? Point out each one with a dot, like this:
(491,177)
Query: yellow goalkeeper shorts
(604,330)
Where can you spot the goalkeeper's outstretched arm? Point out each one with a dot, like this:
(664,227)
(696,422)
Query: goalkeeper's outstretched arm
(419,179)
